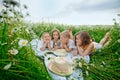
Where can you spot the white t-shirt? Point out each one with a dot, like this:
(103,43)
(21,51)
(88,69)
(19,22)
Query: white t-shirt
(71,44)
(40,44)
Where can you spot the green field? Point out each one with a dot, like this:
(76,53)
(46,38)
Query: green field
(104,63)
(18,62)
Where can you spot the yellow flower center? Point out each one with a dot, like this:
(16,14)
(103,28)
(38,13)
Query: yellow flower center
(23,42)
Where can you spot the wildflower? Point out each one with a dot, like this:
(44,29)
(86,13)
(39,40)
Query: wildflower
(87,73)
(7,66)
(24,26)
(14,30)
(71,78)
(80,75)
(80,64)
(92,65)
(27,31)
(22,42)
(13,51)
(103,63)
(88,67)
(118,59)
(10,35)
(116,53)
(118,40)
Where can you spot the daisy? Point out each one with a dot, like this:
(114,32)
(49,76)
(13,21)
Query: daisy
(13,51)
(22,42)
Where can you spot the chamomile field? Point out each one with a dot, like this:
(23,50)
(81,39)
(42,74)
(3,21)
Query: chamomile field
(18,60)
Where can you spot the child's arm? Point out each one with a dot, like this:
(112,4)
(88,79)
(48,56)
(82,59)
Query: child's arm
(43,47)
(76,52)
(49,47)
(103,40)
(88,50)
(67,49)
(57,47)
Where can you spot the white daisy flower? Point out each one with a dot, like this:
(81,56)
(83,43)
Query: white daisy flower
(7,66)
(22,42)
(13,51)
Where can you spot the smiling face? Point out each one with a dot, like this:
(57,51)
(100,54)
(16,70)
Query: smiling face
(78,40)
(46,37)
(55,35)
(82,38)
(64,39)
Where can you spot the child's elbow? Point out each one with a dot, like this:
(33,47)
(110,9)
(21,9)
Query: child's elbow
(42,49)
(68,50)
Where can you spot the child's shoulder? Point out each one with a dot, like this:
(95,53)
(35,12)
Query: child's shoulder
(71,41)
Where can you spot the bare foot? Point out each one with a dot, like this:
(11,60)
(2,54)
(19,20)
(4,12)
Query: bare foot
(107,35)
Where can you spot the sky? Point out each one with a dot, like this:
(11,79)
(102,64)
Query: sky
(73,12)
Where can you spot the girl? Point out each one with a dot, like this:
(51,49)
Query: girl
(66,42)
(84,44)
(56,39)
(45,43)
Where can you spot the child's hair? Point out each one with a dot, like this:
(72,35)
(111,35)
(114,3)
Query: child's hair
(85,37)
(65,34)
(78,33)
(55,30)
(44,34)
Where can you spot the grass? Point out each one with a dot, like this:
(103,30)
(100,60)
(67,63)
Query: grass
(104,64)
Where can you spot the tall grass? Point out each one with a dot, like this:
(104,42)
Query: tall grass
(104,63)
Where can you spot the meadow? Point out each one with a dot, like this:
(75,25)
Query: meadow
(18,60)
(23,64)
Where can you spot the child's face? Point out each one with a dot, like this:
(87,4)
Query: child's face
(46,37)
(78,40)
(64,39)
(55,35)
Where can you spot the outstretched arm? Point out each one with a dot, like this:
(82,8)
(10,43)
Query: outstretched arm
(67,49)
(87,51)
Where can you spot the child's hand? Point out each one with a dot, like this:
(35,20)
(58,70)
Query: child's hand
(80,50)
(75,53)
(55,48)
(64,45)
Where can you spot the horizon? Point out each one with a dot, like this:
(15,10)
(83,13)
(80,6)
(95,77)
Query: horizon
(73,12)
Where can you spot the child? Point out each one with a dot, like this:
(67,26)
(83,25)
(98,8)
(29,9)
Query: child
(70,32)
(56,39)
(66,42)
(45,43)
(84,45)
